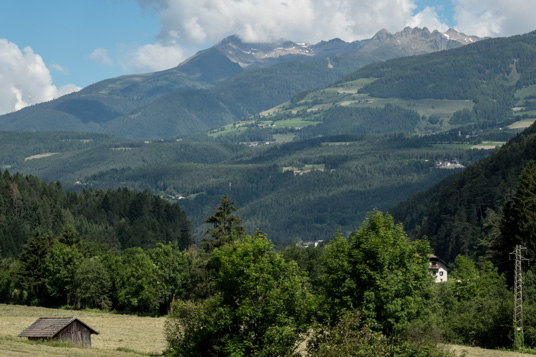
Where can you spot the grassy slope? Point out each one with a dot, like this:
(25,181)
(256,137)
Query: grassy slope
(141,334)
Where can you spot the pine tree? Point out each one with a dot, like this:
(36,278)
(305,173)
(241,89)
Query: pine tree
(226,226)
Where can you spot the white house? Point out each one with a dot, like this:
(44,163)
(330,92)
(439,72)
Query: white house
(438,268)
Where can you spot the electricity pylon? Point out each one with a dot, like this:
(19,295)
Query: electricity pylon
(518,296)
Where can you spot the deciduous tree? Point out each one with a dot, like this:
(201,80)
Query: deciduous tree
(380,272)
(261,305)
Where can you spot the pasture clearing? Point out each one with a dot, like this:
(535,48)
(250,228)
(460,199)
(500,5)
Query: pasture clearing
(529,91)
(284,138)
(522,124)
(489,145)
(123,332)
(295,123)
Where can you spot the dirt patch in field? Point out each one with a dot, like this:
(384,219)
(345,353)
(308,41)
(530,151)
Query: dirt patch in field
(482,352)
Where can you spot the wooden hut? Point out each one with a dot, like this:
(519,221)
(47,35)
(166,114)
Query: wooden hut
(62,329)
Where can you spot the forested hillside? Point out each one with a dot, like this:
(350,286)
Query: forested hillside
(461,214)
(484,86)
(304,188)
(185,113)
(120,218)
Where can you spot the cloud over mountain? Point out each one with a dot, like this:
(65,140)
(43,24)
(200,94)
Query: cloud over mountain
(259,20)
(494,17)
(187,24)
(25,78)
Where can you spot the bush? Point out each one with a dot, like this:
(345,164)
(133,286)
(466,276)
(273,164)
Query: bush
(350,337)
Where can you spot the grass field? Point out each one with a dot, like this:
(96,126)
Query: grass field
(489,145)
(295,122)
(525,92)
(284,138)
(117,333)
(522,124)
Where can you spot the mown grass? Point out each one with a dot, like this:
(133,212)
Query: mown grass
(14,346)
(526,92)
(522,124)
(118,334)
(295,122)
(488,145)
(284,138)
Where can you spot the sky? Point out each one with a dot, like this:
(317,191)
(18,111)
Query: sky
(54,47)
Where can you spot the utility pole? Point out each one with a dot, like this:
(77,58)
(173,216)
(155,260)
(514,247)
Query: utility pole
(518,296)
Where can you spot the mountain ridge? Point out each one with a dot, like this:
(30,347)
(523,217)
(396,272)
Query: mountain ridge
(261,54)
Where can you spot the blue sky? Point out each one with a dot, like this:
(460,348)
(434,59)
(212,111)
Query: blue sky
(49,48)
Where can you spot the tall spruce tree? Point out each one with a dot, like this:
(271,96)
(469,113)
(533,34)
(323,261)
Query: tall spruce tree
(518,224)
(32,265)
(225,225)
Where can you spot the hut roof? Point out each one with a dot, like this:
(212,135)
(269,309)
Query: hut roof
(51,326)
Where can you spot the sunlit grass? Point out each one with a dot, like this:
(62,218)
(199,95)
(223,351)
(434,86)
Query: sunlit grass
(489,145)
(142,334)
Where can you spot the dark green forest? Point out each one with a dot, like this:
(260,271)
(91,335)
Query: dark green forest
(473,201)
(119,218)
(310,188)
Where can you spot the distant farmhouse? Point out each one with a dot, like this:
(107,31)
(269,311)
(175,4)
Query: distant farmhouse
(449,165)
(61,329)
(438,268)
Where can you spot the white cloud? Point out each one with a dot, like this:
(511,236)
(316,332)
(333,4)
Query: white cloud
(56,67)
(100,55)
(494,17)
(25,78)
(186,24)
(207,21)
(153,57)
(429,18)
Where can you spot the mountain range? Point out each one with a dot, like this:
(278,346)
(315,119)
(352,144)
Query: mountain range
(227,82)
